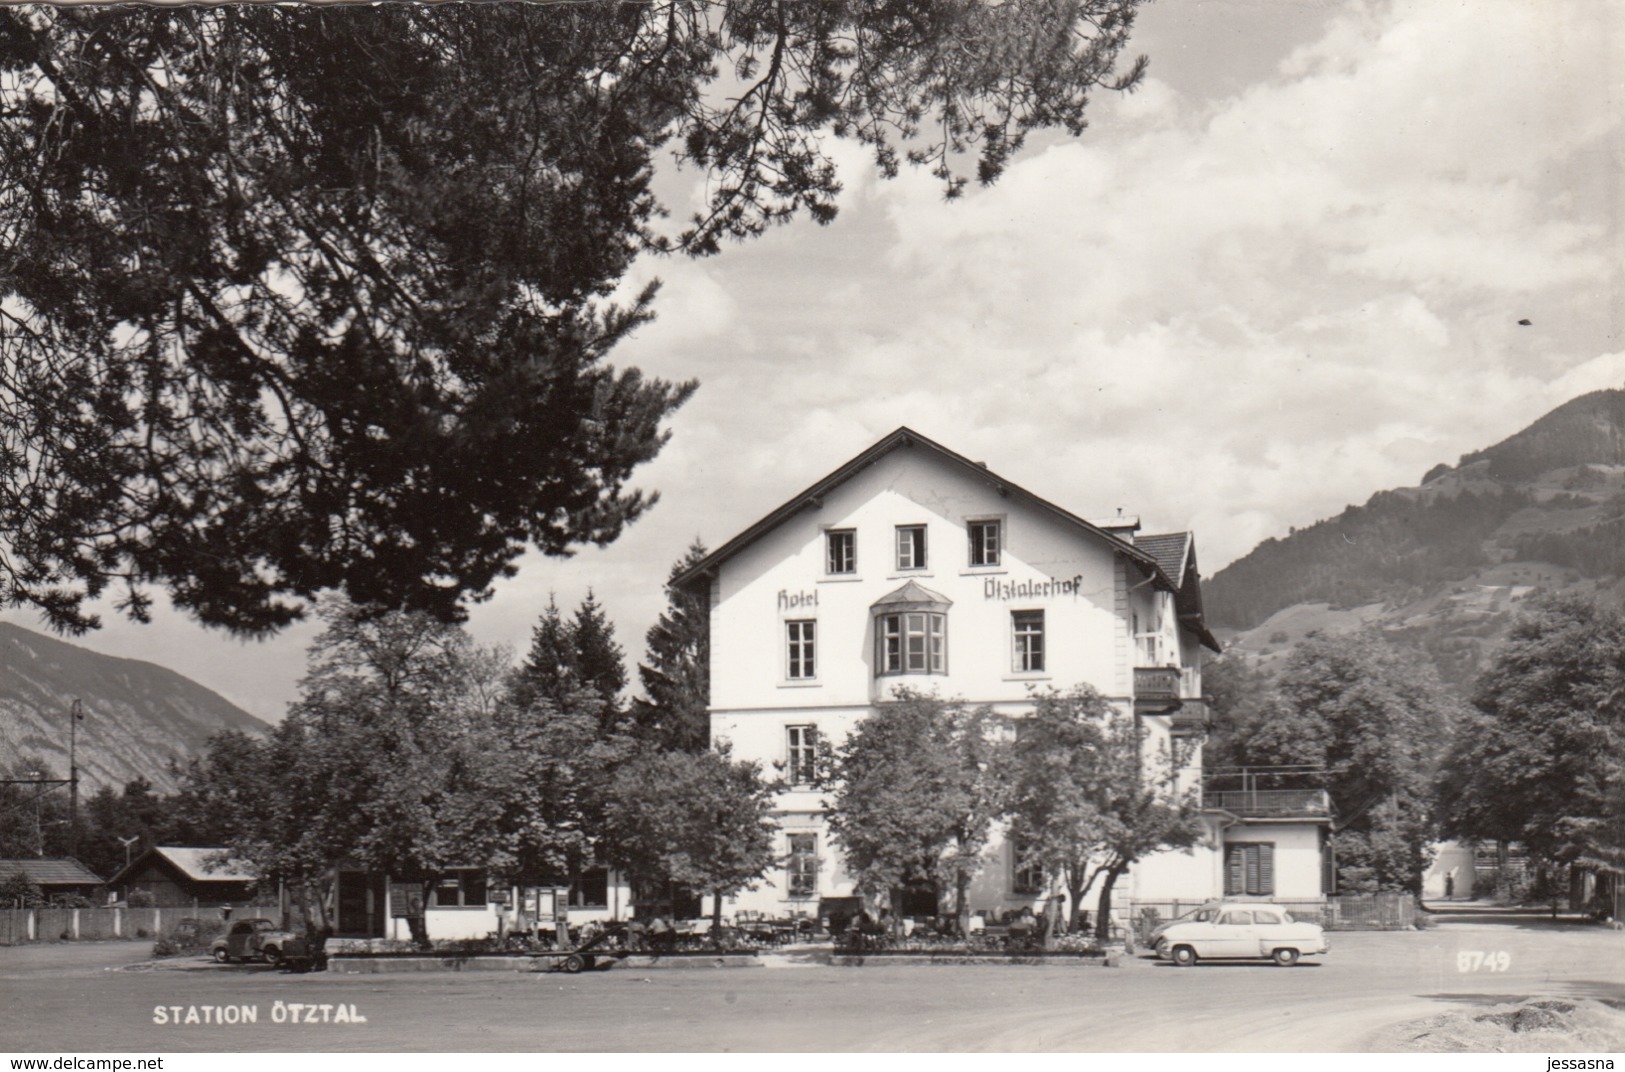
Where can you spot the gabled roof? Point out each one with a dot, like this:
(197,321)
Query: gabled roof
(908,438)
(63,872)
(1169,549)
(1175,553)
(193,862)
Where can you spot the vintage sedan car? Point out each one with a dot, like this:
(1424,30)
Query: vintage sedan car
(1242,931)
(1202,913)
(258,939)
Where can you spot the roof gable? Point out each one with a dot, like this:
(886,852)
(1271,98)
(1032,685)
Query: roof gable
(191,863)
(63,872)
(907,438)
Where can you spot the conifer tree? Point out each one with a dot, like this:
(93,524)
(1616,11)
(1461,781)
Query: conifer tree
(549,670)
(599,661)
(310,297)
(677,677)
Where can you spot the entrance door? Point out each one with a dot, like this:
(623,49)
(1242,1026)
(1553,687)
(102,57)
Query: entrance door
(917,900)
(360,905)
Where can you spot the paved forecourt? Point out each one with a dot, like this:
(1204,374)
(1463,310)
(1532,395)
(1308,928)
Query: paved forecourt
(1331,1003)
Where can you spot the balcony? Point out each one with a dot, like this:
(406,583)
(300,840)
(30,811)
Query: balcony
(1271,803)
(1157,689)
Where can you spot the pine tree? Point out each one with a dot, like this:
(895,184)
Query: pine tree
(599,661)
(549,670)
(677,677)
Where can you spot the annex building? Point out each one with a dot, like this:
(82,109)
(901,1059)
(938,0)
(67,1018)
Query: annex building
(911,565)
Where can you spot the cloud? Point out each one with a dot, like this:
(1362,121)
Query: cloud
(1284,274)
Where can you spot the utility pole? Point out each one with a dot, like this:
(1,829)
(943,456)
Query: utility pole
(73,777)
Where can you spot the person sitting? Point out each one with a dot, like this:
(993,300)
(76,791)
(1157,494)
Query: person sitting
(662,935)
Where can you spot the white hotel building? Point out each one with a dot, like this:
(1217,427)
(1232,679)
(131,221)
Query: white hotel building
(911,565)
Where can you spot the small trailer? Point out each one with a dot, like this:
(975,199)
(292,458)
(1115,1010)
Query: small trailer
(583,957)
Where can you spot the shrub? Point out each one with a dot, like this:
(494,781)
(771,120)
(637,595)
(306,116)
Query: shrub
(19,891)
(141,899)
(188,938)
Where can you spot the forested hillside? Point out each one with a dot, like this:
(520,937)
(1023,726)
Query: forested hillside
(1440,566)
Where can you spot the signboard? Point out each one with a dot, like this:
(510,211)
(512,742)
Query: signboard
(405,900)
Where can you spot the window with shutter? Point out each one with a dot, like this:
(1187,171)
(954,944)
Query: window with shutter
(1250,868)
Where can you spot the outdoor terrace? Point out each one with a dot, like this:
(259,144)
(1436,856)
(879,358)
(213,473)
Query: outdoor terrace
(1271,803)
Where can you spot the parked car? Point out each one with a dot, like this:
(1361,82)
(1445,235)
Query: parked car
(1242,931)
(1202,913)
(258,939)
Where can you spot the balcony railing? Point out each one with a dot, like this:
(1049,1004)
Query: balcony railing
(1156,683)
(1271,803)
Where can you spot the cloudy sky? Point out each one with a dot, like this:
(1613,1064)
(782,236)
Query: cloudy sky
(1285,273)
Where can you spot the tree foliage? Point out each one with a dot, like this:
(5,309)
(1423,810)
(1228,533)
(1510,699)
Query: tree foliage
(1541,758)
(1085,800)
(914,794)
(391,759)
(300,298)
(699,820)
(677,677)
(1370,721)
(572,661)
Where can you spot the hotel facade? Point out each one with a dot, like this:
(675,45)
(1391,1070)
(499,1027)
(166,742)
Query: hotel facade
(913,566)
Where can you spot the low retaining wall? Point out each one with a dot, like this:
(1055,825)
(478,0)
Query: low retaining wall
(388,963)
(1063,960)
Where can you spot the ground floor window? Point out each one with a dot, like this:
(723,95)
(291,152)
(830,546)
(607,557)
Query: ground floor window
(1024,878)
(463,888)
(803,865)
(591,889)
(1249,868)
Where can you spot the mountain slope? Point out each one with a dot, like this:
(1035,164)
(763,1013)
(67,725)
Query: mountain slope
(137,715)
(1442,566)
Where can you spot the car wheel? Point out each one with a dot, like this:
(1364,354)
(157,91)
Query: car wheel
(573,964)
(273,956)
(1184,956)
(222,957)
(1286,957)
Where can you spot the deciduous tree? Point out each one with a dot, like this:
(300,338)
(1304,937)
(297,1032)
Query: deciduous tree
(699,820)
(1373,720)
(914,793)
(1086,798)
(1541,758)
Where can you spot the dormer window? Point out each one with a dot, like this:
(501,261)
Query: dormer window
(911,631)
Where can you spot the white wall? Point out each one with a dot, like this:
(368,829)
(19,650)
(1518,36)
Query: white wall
(1077,579)
(1449,856)
(1297,856)
(782,577)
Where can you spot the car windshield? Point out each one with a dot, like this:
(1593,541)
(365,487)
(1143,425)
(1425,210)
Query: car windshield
(1198,915)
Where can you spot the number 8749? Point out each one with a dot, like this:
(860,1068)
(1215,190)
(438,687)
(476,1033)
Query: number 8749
(1478,960)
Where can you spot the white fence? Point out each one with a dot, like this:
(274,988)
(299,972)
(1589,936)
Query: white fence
(20,925)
